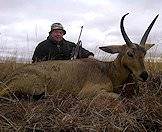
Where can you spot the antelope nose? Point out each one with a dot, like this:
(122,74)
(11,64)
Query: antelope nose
(144,75)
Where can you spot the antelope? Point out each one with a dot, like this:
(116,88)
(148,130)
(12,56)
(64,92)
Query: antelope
(82,77)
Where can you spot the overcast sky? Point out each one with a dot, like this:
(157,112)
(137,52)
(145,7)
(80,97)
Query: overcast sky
(25,23)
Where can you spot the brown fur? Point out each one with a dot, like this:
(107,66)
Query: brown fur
(86,77)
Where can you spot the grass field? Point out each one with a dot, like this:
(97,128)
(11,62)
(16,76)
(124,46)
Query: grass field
(63,112)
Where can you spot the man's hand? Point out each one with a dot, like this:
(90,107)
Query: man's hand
(91,57)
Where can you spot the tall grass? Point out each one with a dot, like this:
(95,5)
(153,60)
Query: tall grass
(64,112)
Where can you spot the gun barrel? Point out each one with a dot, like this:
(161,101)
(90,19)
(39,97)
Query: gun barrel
(76,51)
(80,33)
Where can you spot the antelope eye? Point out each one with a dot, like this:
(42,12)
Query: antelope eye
(130,54)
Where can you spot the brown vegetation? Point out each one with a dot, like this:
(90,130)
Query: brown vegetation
(64,112)
(60,110)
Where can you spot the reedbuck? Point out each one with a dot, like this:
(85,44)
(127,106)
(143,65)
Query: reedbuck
(83,77)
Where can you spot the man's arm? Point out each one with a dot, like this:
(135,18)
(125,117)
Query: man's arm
(83,53)
(39,54)
(79,52)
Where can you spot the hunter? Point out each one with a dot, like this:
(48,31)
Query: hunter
(55,47)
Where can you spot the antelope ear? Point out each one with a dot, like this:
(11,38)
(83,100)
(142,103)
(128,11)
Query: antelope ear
(112,49)
(148,46)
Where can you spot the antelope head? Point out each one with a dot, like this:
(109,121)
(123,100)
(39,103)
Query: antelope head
(131,55)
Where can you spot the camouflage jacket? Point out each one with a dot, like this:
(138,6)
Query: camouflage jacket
(50,50)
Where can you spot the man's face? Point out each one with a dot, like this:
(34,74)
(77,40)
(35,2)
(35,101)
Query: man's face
(57,35)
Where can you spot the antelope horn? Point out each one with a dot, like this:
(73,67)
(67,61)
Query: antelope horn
(144,38)
(127,40)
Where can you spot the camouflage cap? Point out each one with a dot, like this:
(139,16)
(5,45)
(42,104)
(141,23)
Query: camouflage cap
(57,26)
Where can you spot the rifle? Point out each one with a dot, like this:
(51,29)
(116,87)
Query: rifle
(76,50)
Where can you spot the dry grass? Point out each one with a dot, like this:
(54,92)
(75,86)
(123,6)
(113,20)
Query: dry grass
(63,112)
